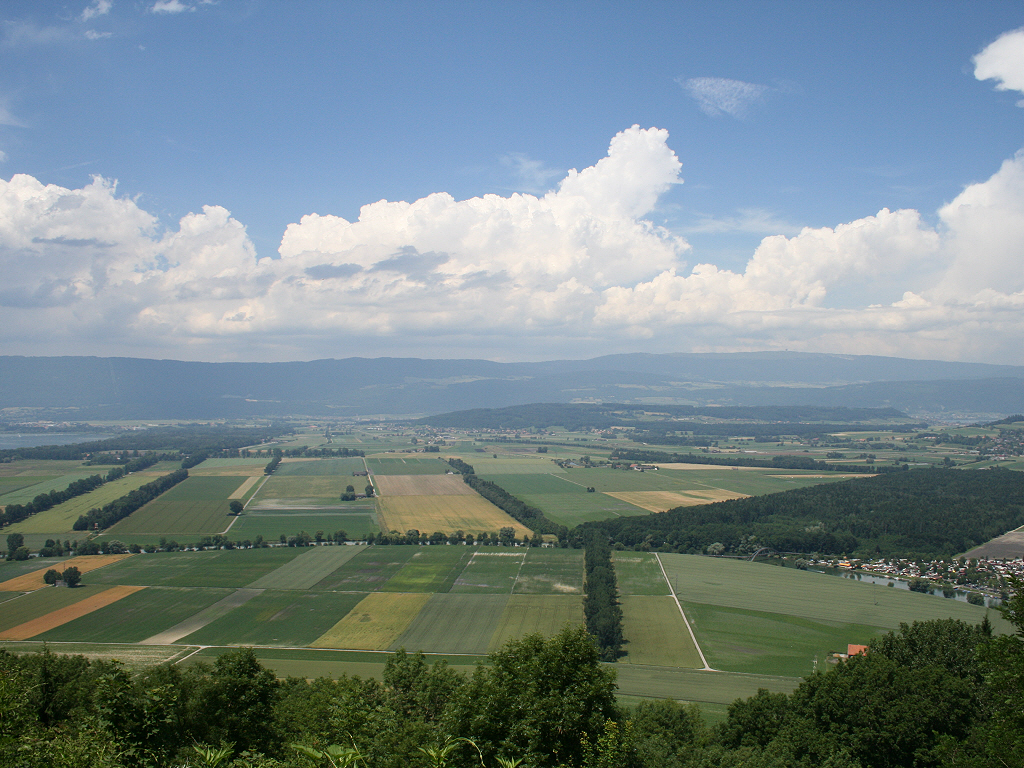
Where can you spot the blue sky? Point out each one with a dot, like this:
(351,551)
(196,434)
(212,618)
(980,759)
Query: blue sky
(782,188)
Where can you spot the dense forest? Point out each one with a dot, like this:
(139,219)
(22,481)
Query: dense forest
(926,513)
(934,694)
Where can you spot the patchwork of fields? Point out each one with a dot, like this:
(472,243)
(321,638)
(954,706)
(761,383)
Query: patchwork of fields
(334,609)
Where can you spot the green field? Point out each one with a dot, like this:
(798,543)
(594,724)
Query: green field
(410,466)
(35,604)
(198,505)
(491,570)
(59,520)
(45,484)
(217,568)
(321,468)
(369,570)
(277,618)
(530,614)
(137,616)
(309,568)
(432,569)
(656,633)
(638,573)
(749,617)
(454,624)
(355,521)
(305,490)
(551,572)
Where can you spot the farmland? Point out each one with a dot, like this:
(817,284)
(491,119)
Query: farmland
(61,518)
(339,609)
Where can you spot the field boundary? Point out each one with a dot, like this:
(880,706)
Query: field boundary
(62,616)
(707,667)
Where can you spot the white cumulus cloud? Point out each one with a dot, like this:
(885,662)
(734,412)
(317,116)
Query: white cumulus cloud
(1003,61)
(96,8)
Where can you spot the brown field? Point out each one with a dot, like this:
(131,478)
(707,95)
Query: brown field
(660,501)
(248,483)
(34,580)
(64,615)
(375,622)
(1006,547)
(472,514)
(422,485)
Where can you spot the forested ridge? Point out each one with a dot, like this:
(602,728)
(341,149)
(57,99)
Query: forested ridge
(927,513)
(936,694)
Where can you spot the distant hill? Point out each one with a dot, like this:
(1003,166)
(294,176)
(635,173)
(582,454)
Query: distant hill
(119,387)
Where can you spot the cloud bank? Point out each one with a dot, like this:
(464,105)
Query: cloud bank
(575,272)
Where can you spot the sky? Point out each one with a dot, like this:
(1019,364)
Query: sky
(267,181)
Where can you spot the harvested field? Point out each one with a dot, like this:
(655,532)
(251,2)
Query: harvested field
(375,623)
(472,514)
(34,580)
(63,615)
(307,569)
(1009,546)
(248,483)
(454,624)
(530,614)
(662,501)
(656,634)
(422,485)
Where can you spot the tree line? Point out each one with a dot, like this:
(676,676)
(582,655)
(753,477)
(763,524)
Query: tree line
(601,611)
(120,508)
(937,694)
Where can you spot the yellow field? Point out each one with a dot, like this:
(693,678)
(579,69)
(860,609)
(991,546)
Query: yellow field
(64,615)
(472,514)
(529,614)
(248,483)
(422,485)
(375,622)
(661,501)
(34,580)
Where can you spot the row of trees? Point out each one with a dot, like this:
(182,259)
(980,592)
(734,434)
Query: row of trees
(15,513)
(519,510)
(601,609)
(776,462)
(120,508)
(936,694)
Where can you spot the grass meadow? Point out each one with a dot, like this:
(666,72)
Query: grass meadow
(433,569)
(320,468)
(369,570)
(638,573)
